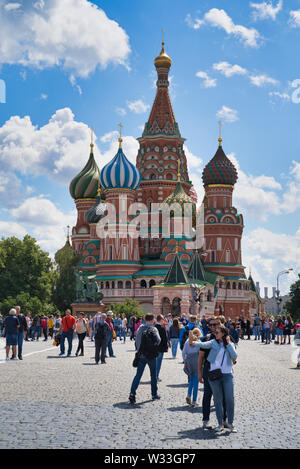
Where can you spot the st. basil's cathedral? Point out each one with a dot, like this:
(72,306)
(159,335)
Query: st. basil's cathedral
(164,273)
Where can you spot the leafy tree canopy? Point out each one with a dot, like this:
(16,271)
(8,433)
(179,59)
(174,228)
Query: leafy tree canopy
(128,307)
(293,305)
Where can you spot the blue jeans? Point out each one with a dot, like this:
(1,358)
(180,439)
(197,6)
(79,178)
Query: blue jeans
(193,386)
(223,388)
(109,343)
(256,332)
(159,360)
(69,336)
(20,343)
(143,361)
(174,345)
(267,335)
(123,333)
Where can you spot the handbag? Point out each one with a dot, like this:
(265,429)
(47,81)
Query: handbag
(136,360)
(216,374)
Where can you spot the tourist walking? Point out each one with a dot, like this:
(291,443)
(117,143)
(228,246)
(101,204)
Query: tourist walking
(279,330)
(288,326)
(173,336)
(184,331)
(1,325)
(11,325)
(124,327)
(29,325)
(66,330)
(51,326)
(81,330)
(138,323)
(256,327)
(190,356)
(44,324)
(203,369)
(131,325)
(109,320)
(267,330)
(22,330)
(248,329)
(102,329)
(164,344)
(117,326)
(147,342)
(221,356)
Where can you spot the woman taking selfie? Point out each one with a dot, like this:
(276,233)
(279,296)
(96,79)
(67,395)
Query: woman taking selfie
(221,356)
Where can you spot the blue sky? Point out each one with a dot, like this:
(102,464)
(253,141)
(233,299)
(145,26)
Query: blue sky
(72,64)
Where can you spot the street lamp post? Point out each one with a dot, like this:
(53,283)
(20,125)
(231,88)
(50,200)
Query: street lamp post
(278,299)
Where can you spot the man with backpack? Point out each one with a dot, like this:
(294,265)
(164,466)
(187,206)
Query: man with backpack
(102,329)
(147,344)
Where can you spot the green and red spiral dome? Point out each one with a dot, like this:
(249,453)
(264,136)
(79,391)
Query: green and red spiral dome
(219,170)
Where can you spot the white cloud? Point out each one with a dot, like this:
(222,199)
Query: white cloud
(138,106)
(281,96)
(220,19)
(207,81)
(121,111)
(44,96)
(269,253)
(74,34)
(266,10)
(10,228)
(295,18)
(227,114)
(12,6)
(261,80)
(229,70)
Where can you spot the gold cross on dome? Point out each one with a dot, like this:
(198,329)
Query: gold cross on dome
(92,136)
(120,139)
(68,232)
(220,137)
(163,35)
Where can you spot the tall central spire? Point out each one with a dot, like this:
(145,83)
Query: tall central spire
(162,119)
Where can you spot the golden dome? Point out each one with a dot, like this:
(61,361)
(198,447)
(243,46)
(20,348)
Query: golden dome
(163,60)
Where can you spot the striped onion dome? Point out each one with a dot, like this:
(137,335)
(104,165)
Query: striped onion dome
(219,170)
(85,184)
(95,213)
(119,173)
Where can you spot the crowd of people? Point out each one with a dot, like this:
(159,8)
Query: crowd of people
(208,347)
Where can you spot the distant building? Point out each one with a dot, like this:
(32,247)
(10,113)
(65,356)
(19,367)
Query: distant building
(271,306)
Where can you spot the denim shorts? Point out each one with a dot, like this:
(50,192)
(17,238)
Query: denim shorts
(11,339)
(279,331)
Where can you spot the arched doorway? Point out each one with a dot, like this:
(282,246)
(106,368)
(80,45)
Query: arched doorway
(165,306)
(176,307)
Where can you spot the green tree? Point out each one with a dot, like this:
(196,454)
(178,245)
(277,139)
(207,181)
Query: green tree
(293,305)
(64,292)
(25,269)
(128,307)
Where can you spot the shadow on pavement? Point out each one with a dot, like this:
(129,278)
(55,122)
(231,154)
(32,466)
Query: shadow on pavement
(127,405)
(182,385)
(186,408)
(195,434)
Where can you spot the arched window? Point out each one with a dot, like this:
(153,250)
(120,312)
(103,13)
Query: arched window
(110,253)
(234,286)
(169,176)
(228,286)
(106,284)
(209,296)
(239,286)
(120,284)
(112,284)
(152,176)
(101,285)
(152,283)
(128,285)
(143,284)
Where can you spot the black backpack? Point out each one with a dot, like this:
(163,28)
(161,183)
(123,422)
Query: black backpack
(101,331)
(149,343)
(185,335)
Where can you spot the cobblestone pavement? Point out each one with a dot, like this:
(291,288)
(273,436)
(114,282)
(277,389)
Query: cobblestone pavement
(52,402)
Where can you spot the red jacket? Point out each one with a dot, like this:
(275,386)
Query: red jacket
(110,324)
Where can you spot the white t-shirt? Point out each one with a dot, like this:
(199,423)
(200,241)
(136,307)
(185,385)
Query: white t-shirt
(217,363)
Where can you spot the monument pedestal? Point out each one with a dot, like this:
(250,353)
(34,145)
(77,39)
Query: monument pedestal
(90,309)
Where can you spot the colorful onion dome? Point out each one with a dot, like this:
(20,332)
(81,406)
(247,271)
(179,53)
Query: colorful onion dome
(85,184)
(163,60)
(119,173)
(95,213)
(219,170)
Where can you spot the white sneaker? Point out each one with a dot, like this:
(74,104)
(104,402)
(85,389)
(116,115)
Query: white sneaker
(219,429)
(206,425)
(7,358)
(195,404)
(231,428)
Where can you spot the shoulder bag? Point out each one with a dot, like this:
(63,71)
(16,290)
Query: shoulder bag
(216,374)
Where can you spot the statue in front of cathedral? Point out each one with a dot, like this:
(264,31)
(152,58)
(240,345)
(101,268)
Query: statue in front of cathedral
(87,290)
